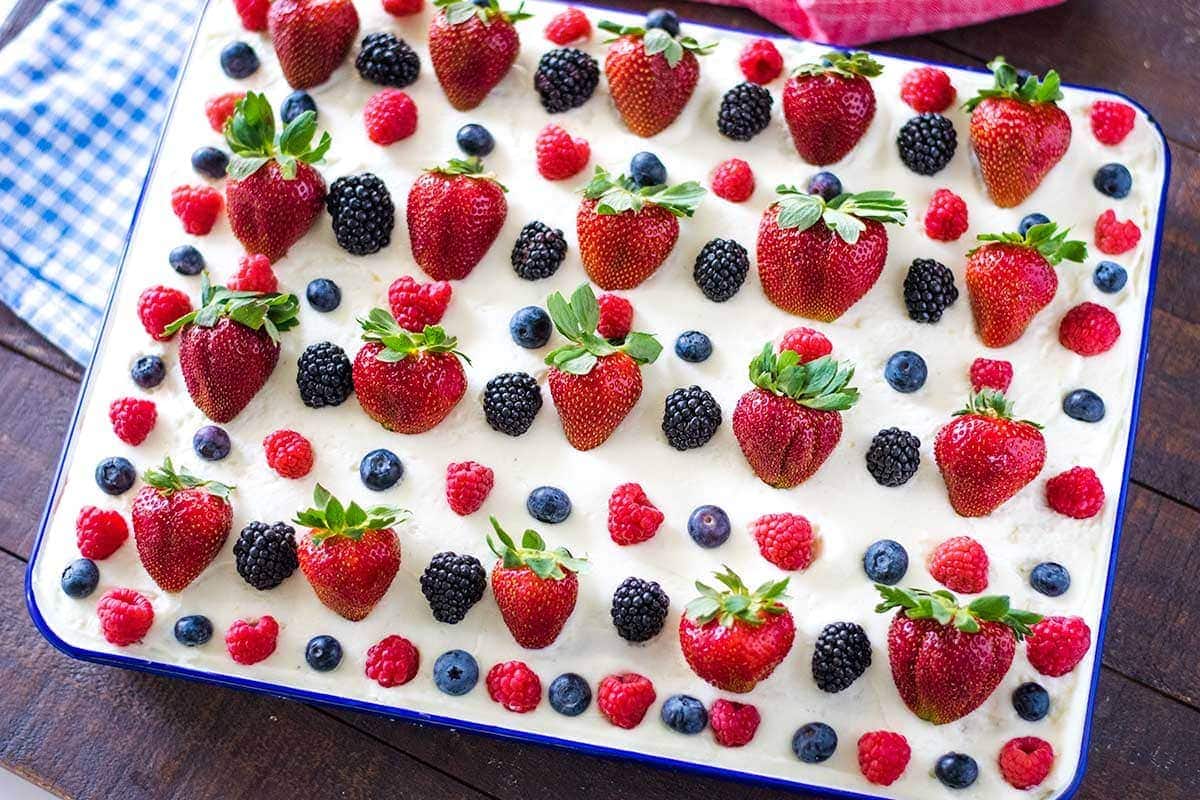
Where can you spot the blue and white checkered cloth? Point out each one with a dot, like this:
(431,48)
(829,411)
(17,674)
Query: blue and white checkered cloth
(83,92)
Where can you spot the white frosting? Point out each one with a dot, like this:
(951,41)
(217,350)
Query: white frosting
(845,505)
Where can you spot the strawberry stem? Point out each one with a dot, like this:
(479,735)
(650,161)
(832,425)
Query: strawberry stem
(398,344)
(1009,85)
(845,65)
(822,384)
(736,601)
(250,133)
(843,214)
(991,403)
(468,168)
(328,517)
(577,321)
(458,11)
(1046,238)
(274,312)
(657,40)
(552,564)
(168,480)
(943,607)
(620,194)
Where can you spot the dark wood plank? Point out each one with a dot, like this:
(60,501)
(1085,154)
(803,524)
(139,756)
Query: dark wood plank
(16,335)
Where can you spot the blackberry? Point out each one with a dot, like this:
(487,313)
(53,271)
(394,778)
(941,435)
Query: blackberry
(928,290)
(690,418)
(638,609)
(452,583)
(511,401)
(745,112)
(266,554)
(363,213)
(565,79)
(387,61)
(538,251)
(323,374)
(927,143)
(841,655)
(720,269)
(893,457)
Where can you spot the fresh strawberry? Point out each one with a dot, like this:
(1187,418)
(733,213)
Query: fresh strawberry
(349,555)
(407,382)
(985,455)
(733,638)
(455,213)
(594,383)
(472,47)
(818,258)
(535,588)
(1017,132)
(179,524)
(415,305)
(790,422)
(829,104)
(947,659)
(626,233)
(311,37)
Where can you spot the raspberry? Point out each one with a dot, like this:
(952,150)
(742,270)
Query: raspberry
(254,275)
(1113,237)
(733,724)
(125,616)
(559,155)
(197,207)
(991,374)
(568,26)
(468,484)
(624,699)
(733,180)
(946,217)
(1111,121)
(253,13)
(393,661)
(99,532)
(415,305)
(616,316)
(786,540)
(632,518)
(390,115)
(1076,493)
(760,61)
(806,343)
(927,89)
(515,686)
(1056,645)
(1025,762)
(883,756)
(220,108)
(1089,329)
(249,642)
(158,307)
(132,419)
(288,453)
(403,8)
(960,564)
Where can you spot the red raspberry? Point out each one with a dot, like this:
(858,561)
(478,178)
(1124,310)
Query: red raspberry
(249,642)
(786,540)
(733,180)
(197,207)
(927,89)
(132,419)
(468,484)
(624,699)
(733,724)
(946,217)
(568,26)
(415,305)
(991,373)
(806,343)
(1112,121)
(288,453)
(760,61)
(1089,329)
(1025,762)
(403,8)
(393,661)
(1113,237)
(159,306)
(390,115)
(559,155)
(883,756)
(220,108)
(125,616)
(515,686)
(960,564)
(254,275)
(1058,644)
(632,518)
(253,13)
(1076,493)
(99,532)
(616,316)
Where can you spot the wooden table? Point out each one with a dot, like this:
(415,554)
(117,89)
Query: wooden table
(85,731)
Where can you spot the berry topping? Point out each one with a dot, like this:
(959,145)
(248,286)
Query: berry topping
(886,562)
(211,163)
(1113,180)
(148,371)
(990,373)
(390,116)
(474,140)
(560,155)
(632,518)
(905,371)
(684,714)
(197,207)
(720,269)
(1084,405)
(691,417)
(814,743)
(362,212)
(927,143)
(732,180)
(393,661)
(1050,579)
(1025,762)
(266,554)
(288,453)
(565,79)
(807,343)
(1109,277)
(468,484)
(1111,121)
(883,756)
(928,290)
(709,526)
(453,583)
(125,616)
(639,609)
(323,653)
(745,112)
(893,457)
(323,295)
(568,26)
(132,419)
(927,89)
(663,19)
(403,8)
(946,218)
(1031,702)
(324,375)
(960,564)
(211,443)
(99,532)
(186,260)
(253,13)
(380,470)
(825,185)
(1031,220)
(193,630)
(956,770)
(624,699)
(415,305)
(515,686)
(548,504)
(158,307)
(115,475)
(785,540)
(254,274)
(1058,644)
(1076,493)
(616,316)
(249,642)
(538,251)
(693,346)
(569,694)
(511,401)
(296,104)
(733,724)
(841,655)
(1089,329)
(760,61)
(455,672)
(219,109)
(1114,237)
(387,61)
(238,60)
(79,578)
(647,170)
(530,327)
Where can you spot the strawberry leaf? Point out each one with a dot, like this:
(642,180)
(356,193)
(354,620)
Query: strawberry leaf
(398,344)
(943,607)
(546,564)
(168,480)
(328,517)
(1046,238)
(250,133)
(1008,84)
(736,602)
(617,195)
(989,402)
(845,65)
(576,320)
(843,214)
(273,312)
(823,384)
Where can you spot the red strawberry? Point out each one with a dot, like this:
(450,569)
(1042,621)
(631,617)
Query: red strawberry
(734,638)
(535,588)
(311,37)
(472,47)
(829,105)
(790,422)
(349,555)
(816,259)
(594,384)
(985,455)
(625,234)
(947,660)
(179,524)
(1017,132)
(455,213)
(407,382)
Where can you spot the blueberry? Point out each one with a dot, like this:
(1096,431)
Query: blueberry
(186,260)
(548,504)
(956,770)
(193,630)
(323,653)
(1084,405)
(814,742)
(905,371)
(886,562)
(115,475)
(475,140)
(380,469)
(1113,180)
(148,371)
(210,162)
(1109,277)
(1029,220)
(709,526)
(323,294)
(1031,702)
(80,577)
(211,443)
(1050,579)
(296,104)
(663,18)
(569,694)
(530,327)
(647,170)
(239,60)
(684,714)
(825,184)
(693,346)
(455,672)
